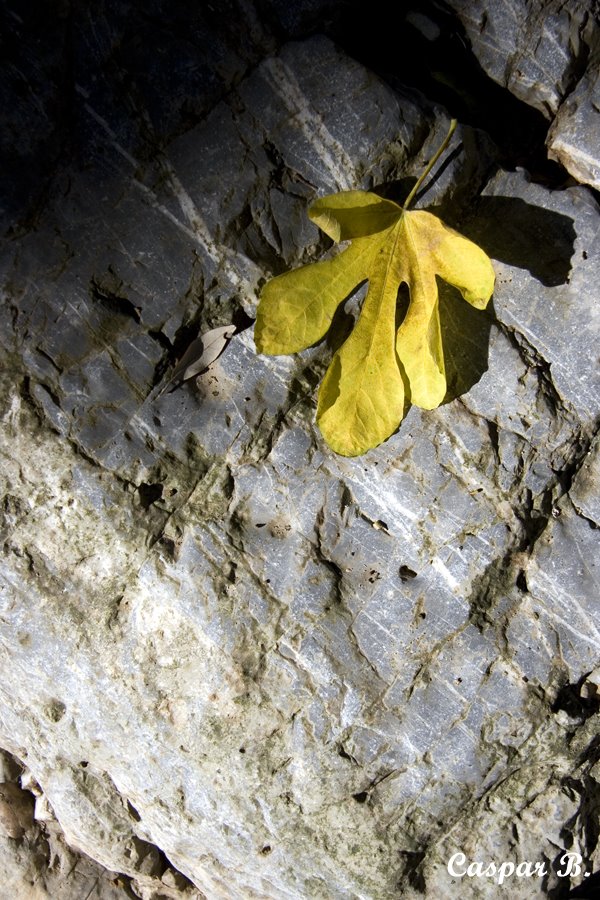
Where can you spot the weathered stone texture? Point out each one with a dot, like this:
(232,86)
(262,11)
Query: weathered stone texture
(574,137)
(291,673)
(548,55)
(532,47)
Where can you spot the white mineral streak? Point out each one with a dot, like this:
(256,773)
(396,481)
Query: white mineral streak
(311,123)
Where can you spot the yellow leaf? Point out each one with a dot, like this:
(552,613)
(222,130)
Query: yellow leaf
(361,399)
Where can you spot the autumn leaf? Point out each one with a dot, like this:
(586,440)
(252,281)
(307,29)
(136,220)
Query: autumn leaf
(202,352)
(362,396)
(199,356)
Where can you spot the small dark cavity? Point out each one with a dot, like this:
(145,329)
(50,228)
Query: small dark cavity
(522,581)
(406,574)
(569,700)
(361,797)
(168,545)
(113,302)
(149,494)
(55,710)
(133,812)
(161,339)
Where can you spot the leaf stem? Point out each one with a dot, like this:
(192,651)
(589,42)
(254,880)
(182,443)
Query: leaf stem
(430,165)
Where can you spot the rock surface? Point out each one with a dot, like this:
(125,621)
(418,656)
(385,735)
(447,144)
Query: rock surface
(575,134)
(37,863)
(547,54)
(229,655)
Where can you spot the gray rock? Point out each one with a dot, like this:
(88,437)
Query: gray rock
(547,54)
(574,137)
(533,48)
(38,864)
(583,491)
(292,673)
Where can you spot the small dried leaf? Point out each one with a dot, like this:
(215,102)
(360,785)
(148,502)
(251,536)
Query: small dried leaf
(202,352)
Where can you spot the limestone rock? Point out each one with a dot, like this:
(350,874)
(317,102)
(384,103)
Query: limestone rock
(547,54)
(37,864)
(574,137)
(535,49)
(229,655)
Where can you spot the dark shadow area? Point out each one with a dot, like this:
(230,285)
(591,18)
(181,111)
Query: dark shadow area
(345,317)
(587,890)
(570,700)
(60,57)
(150,71)
(36,95)
(465,340)
(396,191)
(522,235)
(465,334)
(430,52)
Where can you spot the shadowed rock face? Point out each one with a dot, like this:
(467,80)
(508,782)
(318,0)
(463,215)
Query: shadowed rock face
(547,54)
(232,661)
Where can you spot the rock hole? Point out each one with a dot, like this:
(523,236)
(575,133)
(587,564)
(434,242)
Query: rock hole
(406,574)
(569,700)
(55,710)
(522,581)
(149,494)
(133,812)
